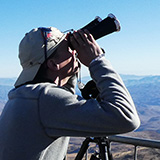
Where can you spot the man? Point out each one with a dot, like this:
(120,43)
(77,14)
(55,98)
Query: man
(43,110)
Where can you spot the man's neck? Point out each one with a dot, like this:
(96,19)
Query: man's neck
(61,82)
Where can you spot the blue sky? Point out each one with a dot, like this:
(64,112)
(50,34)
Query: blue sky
(133,50)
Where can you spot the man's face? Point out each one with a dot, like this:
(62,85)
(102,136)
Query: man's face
(68,64)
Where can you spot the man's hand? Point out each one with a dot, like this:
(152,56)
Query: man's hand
(86,46)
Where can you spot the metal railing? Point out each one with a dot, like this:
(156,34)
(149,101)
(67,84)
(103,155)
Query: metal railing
(104,144)
(136,142)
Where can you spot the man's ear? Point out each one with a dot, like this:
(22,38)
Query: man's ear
(52,65)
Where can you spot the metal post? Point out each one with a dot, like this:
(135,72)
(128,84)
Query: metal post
(135,152)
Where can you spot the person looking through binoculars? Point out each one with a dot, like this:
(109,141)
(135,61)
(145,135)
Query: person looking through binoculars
(43,110)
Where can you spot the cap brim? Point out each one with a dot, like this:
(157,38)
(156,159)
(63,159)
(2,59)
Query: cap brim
(27,75)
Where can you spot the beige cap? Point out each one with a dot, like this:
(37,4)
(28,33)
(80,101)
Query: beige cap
(35,47)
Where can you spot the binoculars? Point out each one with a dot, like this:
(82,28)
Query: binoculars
(100,28)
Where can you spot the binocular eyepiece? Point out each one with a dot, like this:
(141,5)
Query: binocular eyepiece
(100,28)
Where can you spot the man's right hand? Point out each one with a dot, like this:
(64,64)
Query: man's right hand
(86,46)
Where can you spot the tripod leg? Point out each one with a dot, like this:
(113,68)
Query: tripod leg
(83,149)
(109,151)
(104,147)
(103,152)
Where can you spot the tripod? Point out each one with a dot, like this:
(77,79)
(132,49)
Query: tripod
(104,149)
(90,91)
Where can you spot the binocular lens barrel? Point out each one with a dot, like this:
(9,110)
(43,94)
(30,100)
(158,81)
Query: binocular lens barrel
(99,28)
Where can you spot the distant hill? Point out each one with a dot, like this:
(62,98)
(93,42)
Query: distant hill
(6,84)
(145,91)
(138,80)
(4,92)
(7,81)
(126,77)
(146,96)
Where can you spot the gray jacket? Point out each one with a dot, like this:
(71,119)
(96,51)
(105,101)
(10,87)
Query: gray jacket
(38,119)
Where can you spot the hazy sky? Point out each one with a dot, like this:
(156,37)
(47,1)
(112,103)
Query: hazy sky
(133,50)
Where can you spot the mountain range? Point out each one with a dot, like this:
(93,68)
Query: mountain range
(145,91)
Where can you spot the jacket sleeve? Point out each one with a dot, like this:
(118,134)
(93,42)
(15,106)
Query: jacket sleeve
(65,114)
